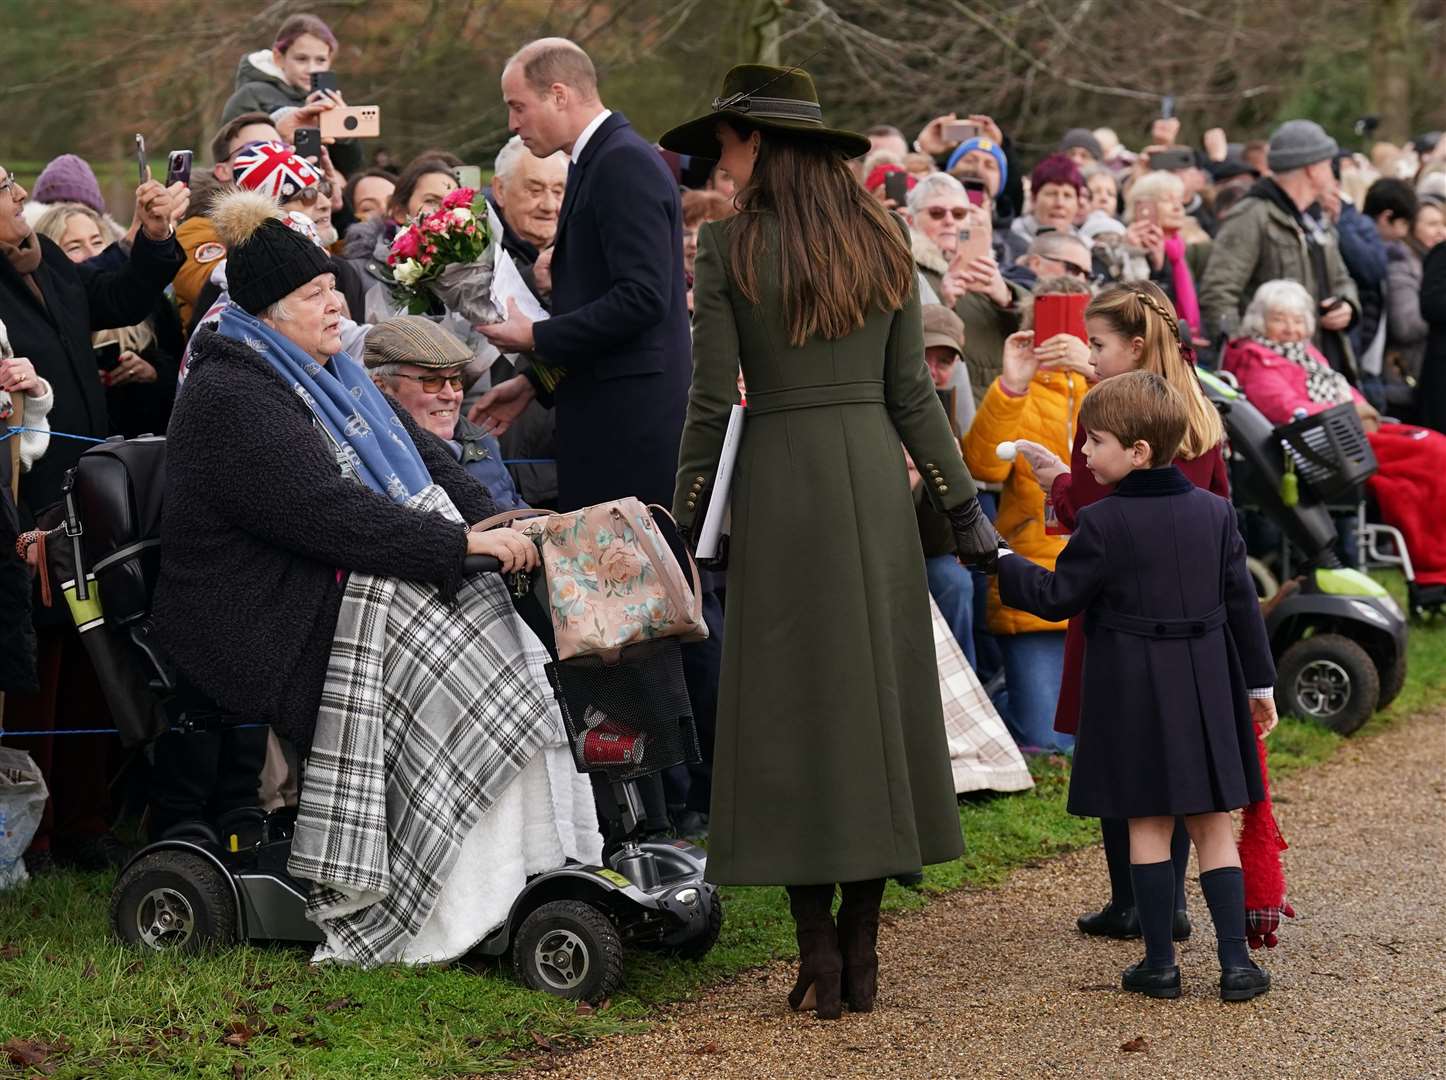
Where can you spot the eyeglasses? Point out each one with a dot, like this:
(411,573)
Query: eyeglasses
(432,384)
(8,186)
(309,195)
(939,213)
(1071,270)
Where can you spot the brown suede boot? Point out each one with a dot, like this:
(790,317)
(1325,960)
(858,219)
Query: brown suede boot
(820,964)
(858,935)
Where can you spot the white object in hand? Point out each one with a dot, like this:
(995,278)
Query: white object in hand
(1005,451)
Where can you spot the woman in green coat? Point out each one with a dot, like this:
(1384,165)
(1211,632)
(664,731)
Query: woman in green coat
(830,761)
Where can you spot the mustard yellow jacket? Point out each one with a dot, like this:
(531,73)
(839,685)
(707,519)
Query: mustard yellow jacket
(1046,414)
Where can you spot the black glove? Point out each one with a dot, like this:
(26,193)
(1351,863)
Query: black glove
(975,539)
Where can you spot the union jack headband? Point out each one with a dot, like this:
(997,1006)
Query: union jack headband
(272,168)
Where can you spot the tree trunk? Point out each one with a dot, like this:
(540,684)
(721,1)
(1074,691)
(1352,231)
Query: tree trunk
(765,21)
(1391,68)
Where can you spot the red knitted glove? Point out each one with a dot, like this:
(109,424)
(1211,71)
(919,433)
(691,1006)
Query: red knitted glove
(1262,923)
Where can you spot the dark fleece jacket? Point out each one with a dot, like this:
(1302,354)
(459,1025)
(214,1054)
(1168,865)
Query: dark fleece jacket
(260,529)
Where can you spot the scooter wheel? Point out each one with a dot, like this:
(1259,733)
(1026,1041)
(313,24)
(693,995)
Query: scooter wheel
(173,901)
(1330,679)
(696,948)
(569,949)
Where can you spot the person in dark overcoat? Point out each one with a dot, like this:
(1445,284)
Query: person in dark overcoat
(831,765)
(1177,668)
(612,359)
(1431,391)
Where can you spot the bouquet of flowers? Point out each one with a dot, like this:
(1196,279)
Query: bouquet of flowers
(449,255)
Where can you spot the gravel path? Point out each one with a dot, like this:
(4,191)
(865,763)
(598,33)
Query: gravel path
(999,984)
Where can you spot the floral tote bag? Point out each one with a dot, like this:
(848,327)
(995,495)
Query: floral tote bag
(612,580)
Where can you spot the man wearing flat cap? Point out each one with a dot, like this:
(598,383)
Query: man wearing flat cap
(423,366)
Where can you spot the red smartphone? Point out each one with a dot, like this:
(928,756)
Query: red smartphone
(1060,313)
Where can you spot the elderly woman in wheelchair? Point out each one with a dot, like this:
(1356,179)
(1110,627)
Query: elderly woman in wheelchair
(312,577)
(1287,378)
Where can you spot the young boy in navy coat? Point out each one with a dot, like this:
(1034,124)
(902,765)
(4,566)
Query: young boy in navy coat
(1177,669)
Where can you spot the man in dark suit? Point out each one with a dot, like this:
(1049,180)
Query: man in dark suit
(616,354)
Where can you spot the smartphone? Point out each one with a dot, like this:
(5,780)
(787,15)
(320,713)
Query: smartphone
(323,80)
(1167,106)
(896,187)
(1173,159)
(1147,211)
(178,167)
(960,132)
(308,143)
(352,122)
(1060,313)
(975,242)
(143,169)
(107,357)
(469,176)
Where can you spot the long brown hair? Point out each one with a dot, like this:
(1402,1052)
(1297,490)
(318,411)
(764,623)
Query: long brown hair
(1139,309)
(840,254)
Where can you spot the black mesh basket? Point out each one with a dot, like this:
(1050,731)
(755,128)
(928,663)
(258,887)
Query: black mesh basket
(630,718)
(1330,451)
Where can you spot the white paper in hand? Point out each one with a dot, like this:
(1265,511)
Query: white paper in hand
(717,518)
(507,284)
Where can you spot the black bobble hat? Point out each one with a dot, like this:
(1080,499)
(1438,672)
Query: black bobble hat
(265,259)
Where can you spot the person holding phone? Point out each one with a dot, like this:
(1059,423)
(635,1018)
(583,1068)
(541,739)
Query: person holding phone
(1168,246)
(282,78)
(50,306)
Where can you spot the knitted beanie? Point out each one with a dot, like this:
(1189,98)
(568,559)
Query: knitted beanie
(1083,138)
(273,168)
(265,259)
(69,179)
(988,146)
(1298,143)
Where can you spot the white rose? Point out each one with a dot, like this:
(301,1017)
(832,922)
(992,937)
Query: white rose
(461,215)
(408,271)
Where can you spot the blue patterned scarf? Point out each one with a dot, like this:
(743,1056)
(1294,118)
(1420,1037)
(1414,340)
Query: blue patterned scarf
(346,402)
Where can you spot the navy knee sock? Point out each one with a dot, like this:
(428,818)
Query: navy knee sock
(1155,901)
(1180,856)
(1116,834)
(1224,890)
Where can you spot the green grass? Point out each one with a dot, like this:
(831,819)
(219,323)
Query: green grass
(111,1011)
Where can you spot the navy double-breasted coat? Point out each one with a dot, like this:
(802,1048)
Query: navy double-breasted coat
(1175,641)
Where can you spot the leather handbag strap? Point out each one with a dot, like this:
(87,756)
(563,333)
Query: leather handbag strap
(696,612)
(42,566)
(510,515)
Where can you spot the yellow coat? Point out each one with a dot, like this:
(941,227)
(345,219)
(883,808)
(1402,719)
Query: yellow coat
(1046,414)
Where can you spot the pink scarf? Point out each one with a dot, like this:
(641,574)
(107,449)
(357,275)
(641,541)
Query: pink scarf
(1186,304)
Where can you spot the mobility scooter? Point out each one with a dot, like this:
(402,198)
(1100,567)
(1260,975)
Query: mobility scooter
(214,884)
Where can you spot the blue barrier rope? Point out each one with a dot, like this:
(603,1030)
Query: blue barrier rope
(4,734)
(9,431)
(46,431)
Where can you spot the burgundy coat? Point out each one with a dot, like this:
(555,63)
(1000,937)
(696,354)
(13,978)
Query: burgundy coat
(1072,492)
(1175,640)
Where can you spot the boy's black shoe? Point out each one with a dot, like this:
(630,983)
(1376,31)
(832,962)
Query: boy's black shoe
(103,852)
(1242,984)
(1110,921)
(1154,982)
(1182,926)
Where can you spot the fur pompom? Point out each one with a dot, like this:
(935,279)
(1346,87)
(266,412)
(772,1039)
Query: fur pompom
(238,213)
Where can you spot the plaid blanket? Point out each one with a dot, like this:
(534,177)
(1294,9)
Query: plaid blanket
(983,755)
(428,713)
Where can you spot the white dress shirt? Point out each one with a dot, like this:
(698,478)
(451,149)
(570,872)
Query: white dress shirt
(587,133)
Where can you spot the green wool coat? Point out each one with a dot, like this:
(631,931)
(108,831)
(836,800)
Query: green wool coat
(830,762)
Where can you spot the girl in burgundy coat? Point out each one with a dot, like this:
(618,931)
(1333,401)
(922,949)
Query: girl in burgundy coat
(1132,327)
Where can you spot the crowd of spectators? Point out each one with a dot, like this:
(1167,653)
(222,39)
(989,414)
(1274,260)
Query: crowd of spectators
(1316,274)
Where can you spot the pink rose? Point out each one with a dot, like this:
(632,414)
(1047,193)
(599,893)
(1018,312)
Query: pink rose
(620,564)
(407,245)
(461,196)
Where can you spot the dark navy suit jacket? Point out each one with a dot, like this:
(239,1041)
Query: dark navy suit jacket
(619,323)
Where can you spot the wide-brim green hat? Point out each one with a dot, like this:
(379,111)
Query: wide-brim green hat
(775,99)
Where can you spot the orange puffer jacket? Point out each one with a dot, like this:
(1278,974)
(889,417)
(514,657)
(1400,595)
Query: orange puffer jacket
(1046,414)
